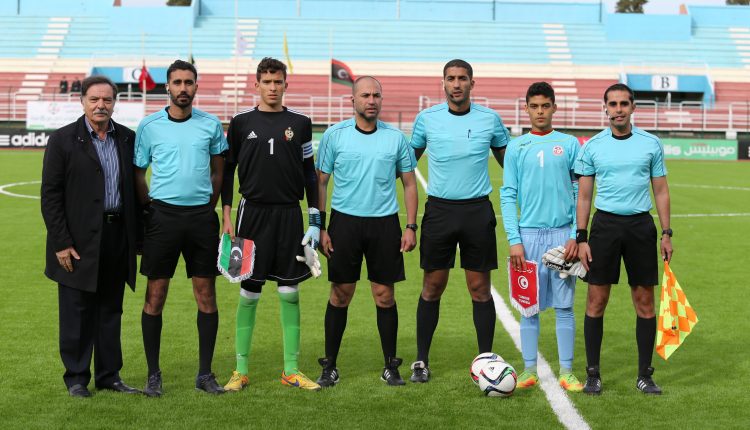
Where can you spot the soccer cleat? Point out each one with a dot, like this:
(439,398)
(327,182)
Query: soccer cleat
(646,384)
(299,380)
(208,384)
(330,375)
(153,385)
(527,379)
(593,381)
(570,383)
(419,372)
(237,382)
(390,375)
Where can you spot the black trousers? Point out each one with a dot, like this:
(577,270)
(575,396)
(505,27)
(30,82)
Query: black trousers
(90,321)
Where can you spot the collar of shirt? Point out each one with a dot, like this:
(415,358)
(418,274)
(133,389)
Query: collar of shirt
(92,133)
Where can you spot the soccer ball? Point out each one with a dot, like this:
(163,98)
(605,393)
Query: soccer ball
(497,379)
(479,361)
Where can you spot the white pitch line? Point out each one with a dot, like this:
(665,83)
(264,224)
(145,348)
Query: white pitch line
(561,405)
(24,196)
(711,187)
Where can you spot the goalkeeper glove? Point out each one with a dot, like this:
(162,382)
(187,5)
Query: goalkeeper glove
(313,229)
(310,257)
(554,259)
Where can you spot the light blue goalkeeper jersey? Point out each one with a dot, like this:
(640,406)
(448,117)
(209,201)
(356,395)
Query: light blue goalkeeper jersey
(538,179)
(458,147)
(622,169)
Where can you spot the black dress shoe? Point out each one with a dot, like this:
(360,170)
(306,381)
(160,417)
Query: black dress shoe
(120,387)
(79,390)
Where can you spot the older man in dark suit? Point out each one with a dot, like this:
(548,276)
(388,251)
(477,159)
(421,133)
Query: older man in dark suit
(89,208)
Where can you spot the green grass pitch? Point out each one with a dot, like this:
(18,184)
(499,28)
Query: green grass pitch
(703,381)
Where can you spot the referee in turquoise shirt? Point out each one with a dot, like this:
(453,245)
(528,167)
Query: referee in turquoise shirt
(184,148)
(366,157)
(623,160)
(458,137)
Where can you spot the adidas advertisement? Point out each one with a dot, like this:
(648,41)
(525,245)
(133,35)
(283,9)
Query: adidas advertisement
(23,138)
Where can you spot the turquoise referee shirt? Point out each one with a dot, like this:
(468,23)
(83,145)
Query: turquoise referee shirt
(538,178)
(623,169)
(364,167)
(458,147)
(179,153)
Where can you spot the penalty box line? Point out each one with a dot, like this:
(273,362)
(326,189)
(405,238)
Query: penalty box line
(561,405)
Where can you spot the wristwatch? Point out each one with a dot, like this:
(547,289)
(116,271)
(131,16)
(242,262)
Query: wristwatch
(412,226)
(668,232)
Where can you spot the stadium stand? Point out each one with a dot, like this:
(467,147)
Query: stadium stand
(404,43)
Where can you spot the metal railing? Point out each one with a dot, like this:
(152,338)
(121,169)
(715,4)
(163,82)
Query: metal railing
(572,112)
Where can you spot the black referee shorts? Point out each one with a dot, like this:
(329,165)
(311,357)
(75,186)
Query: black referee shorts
(630,237)
(378,239)
(171,230)
(469,224)
(277,233)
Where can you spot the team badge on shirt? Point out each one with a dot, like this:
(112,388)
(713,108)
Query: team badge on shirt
(288,134)
(557,150)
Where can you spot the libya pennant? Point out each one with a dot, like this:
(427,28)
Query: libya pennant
(236,258)
(676,317)
(524,288)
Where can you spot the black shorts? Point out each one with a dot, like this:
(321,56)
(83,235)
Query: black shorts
(277,234)
(630,237)
(171,230)
(378,239)
(469,224)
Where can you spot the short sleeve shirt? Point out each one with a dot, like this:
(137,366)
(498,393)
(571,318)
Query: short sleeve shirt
(622,169)
(179,153)
(458,147)
(364,167)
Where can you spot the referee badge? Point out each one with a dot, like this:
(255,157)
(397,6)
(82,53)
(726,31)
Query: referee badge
(557,150)
(288,134)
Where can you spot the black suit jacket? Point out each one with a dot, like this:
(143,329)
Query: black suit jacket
(73,203)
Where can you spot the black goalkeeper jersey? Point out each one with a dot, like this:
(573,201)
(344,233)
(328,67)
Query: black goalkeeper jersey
(268,149)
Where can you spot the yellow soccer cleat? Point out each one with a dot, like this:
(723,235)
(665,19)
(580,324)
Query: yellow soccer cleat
(570,383)
(527,379)
(237,382)
(299,380)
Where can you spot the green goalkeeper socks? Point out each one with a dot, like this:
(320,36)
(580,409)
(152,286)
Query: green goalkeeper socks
(289,311)
(244,331)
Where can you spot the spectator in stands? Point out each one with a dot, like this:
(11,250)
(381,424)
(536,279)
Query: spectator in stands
(184,146)
(623,160)
(64,85)
(89,208)
(75,87)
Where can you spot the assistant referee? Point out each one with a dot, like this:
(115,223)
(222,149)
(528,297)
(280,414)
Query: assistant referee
(623,160)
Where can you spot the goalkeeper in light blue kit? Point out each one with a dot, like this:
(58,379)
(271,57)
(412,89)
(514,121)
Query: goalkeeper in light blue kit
(538,179)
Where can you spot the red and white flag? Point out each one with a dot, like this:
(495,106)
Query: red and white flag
(524,288)
(145,81)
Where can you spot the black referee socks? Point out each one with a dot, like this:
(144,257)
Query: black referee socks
(335,324)
(428,314)
(593,332)
(208,326)
(484,323)
(388,329)
(645,336)
(151,329)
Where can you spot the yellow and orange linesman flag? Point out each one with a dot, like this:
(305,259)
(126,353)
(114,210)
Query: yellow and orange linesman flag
(676,317)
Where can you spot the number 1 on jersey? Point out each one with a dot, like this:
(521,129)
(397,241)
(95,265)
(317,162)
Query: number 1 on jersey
(270,144)
(539,155)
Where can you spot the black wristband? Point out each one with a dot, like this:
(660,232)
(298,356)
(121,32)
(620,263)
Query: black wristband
(582,235)
(322,220)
